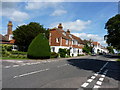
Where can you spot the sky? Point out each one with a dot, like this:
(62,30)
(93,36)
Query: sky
(84,19)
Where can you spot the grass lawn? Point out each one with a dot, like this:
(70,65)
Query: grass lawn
(10,58)
(118,60)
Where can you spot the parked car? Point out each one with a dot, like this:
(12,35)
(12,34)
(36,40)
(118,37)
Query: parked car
(93,54)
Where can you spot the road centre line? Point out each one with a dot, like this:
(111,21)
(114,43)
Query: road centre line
(26,74)
(7,66)
(15,65)
(104,66)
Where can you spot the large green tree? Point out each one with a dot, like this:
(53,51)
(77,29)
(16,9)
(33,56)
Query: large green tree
(24,34)
(113,30)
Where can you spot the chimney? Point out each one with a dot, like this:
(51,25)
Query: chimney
(68,31)
(60,26)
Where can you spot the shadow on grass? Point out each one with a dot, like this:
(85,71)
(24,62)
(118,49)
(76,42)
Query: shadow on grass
(96,64)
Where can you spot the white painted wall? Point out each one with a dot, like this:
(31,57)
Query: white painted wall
(72,50)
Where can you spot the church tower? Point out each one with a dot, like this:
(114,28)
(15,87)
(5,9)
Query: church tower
(9,32)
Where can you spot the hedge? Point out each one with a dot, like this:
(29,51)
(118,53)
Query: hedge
(39,48)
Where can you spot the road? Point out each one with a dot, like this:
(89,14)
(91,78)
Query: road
(83,73)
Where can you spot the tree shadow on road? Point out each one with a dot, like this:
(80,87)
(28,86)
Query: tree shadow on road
(96,64)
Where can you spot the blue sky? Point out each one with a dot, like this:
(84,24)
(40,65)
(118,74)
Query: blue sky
(84,19)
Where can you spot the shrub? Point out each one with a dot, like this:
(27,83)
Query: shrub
(54,55)
(39,48)
(62,52)
(7,47)
(80,55)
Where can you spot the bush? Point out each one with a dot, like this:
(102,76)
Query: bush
(62,52)
(80,54)
(7,47)
(18,52)
(39,48)
(54,55)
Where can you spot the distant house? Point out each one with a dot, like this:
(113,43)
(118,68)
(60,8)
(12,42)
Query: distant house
(65,40)
(97,48)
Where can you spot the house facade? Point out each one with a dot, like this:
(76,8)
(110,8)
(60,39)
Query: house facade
(97,48)
(65,40)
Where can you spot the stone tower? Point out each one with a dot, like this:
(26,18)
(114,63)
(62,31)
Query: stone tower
(9,32)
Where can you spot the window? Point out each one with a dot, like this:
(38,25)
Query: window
(67,42)
(74,50)
(57,40)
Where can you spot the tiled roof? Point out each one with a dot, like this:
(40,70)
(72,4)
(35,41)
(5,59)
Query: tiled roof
(63,34)
(95,43)
(3,38)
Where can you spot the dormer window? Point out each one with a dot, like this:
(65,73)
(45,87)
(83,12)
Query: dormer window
(70,36)
(64,33)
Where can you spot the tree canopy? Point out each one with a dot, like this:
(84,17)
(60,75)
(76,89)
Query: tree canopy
(113,30)
(24,34)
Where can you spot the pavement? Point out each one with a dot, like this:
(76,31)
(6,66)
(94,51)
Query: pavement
(77,73)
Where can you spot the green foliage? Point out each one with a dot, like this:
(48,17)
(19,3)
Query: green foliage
(68,52)
(26,33)
(87,49)
(39,48)
(113,30)
(110,49)
(54,55)
(80,55)
(62,52)
(19,52)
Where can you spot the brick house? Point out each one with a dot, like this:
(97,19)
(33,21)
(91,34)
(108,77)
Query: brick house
(64,39)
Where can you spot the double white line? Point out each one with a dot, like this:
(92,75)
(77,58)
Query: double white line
(94,76)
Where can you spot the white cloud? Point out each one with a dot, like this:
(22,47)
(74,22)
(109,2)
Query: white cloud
(74,26)
(94,37)
(19,16)
(39,5)
(16,15)
(59,12)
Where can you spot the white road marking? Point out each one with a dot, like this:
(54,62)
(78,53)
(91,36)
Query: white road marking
(96,74)
(103,76)
(96,86)
(89,80)
(85,84)
(15,65)
(93,77)
(26,74)
(101,79)
(28,63)
(104,66)
(7,66)
(99,83)
(23,64)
